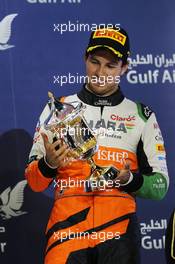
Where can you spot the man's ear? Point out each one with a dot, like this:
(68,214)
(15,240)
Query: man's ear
(85,57)
(124,68)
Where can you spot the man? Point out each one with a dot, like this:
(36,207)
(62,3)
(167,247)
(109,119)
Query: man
(135,147)
(170,240)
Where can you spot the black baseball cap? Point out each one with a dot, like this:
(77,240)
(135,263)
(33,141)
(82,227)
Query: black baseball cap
(113,38)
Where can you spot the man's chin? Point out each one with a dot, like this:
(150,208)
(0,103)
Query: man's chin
(100,90)
(97,89)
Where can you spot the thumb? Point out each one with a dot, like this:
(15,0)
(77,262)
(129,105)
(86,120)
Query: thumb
(127,166)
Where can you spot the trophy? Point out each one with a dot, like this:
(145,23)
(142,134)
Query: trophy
(67,123)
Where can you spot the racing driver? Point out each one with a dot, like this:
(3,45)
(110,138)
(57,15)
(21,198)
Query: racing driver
(134,146)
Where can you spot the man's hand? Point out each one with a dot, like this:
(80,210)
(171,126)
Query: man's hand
(55,158)
(124,174)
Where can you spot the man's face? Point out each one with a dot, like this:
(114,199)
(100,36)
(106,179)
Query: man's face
(104,71)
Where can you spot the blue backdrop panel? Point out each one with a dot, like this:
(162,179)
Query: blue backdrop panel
(32,56)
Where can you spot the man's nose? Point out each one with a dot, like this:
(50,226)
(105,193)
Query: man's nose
(100,71)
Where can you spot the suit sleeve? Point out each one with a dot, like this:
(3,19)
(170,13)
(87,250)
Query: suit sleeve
(152,161)
(38,174)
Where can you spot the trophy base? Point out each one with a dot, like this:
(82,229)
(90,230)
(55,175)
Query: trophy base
(100,178)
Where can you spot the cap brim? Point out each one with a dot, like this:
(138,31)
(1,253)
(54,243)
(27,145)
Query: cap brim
(116,52)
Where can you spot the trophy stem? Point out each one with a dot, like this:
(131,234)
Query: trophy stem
(91,163)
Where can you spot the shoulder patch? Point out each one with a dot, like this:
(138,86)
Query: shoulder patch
(144,111)
(59,99)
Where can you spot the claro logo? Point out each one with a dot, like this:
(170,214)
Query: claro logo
(119,118)
(54,1)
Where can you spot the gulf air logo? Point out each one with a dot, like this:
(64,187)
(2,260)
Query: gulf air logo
(110,34)
(5,31)
(12,201)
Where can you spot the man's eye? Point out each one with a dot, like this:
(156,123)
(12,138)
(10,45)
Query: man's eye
(94,61)
(112,66)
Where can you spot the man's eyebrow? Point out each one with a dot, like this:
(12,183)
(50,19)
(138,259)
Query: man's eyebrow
(92,56)
(113,61)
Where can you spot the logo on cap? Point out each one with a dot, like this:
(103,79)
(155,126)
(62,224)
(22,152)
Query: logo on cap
(110,34)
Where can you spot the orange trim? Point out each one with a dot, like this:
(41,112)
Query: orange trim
(98,215)
(36,180)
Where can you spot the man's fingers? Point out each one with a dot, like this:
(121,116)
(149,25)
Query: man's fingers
(63,154)
(63,159)
(61,150)
(125,171)
(45,140)
(127,166)
(56,144)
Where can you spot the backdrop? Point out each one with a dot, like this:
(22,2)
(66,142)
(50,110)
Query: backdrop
(42,45)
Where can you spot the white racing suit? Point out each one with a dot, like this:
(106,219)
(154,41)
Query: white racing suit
(131,135)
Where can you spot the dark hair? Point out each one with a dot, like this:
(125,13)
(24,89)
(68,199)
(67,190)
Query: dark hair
(124,60)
